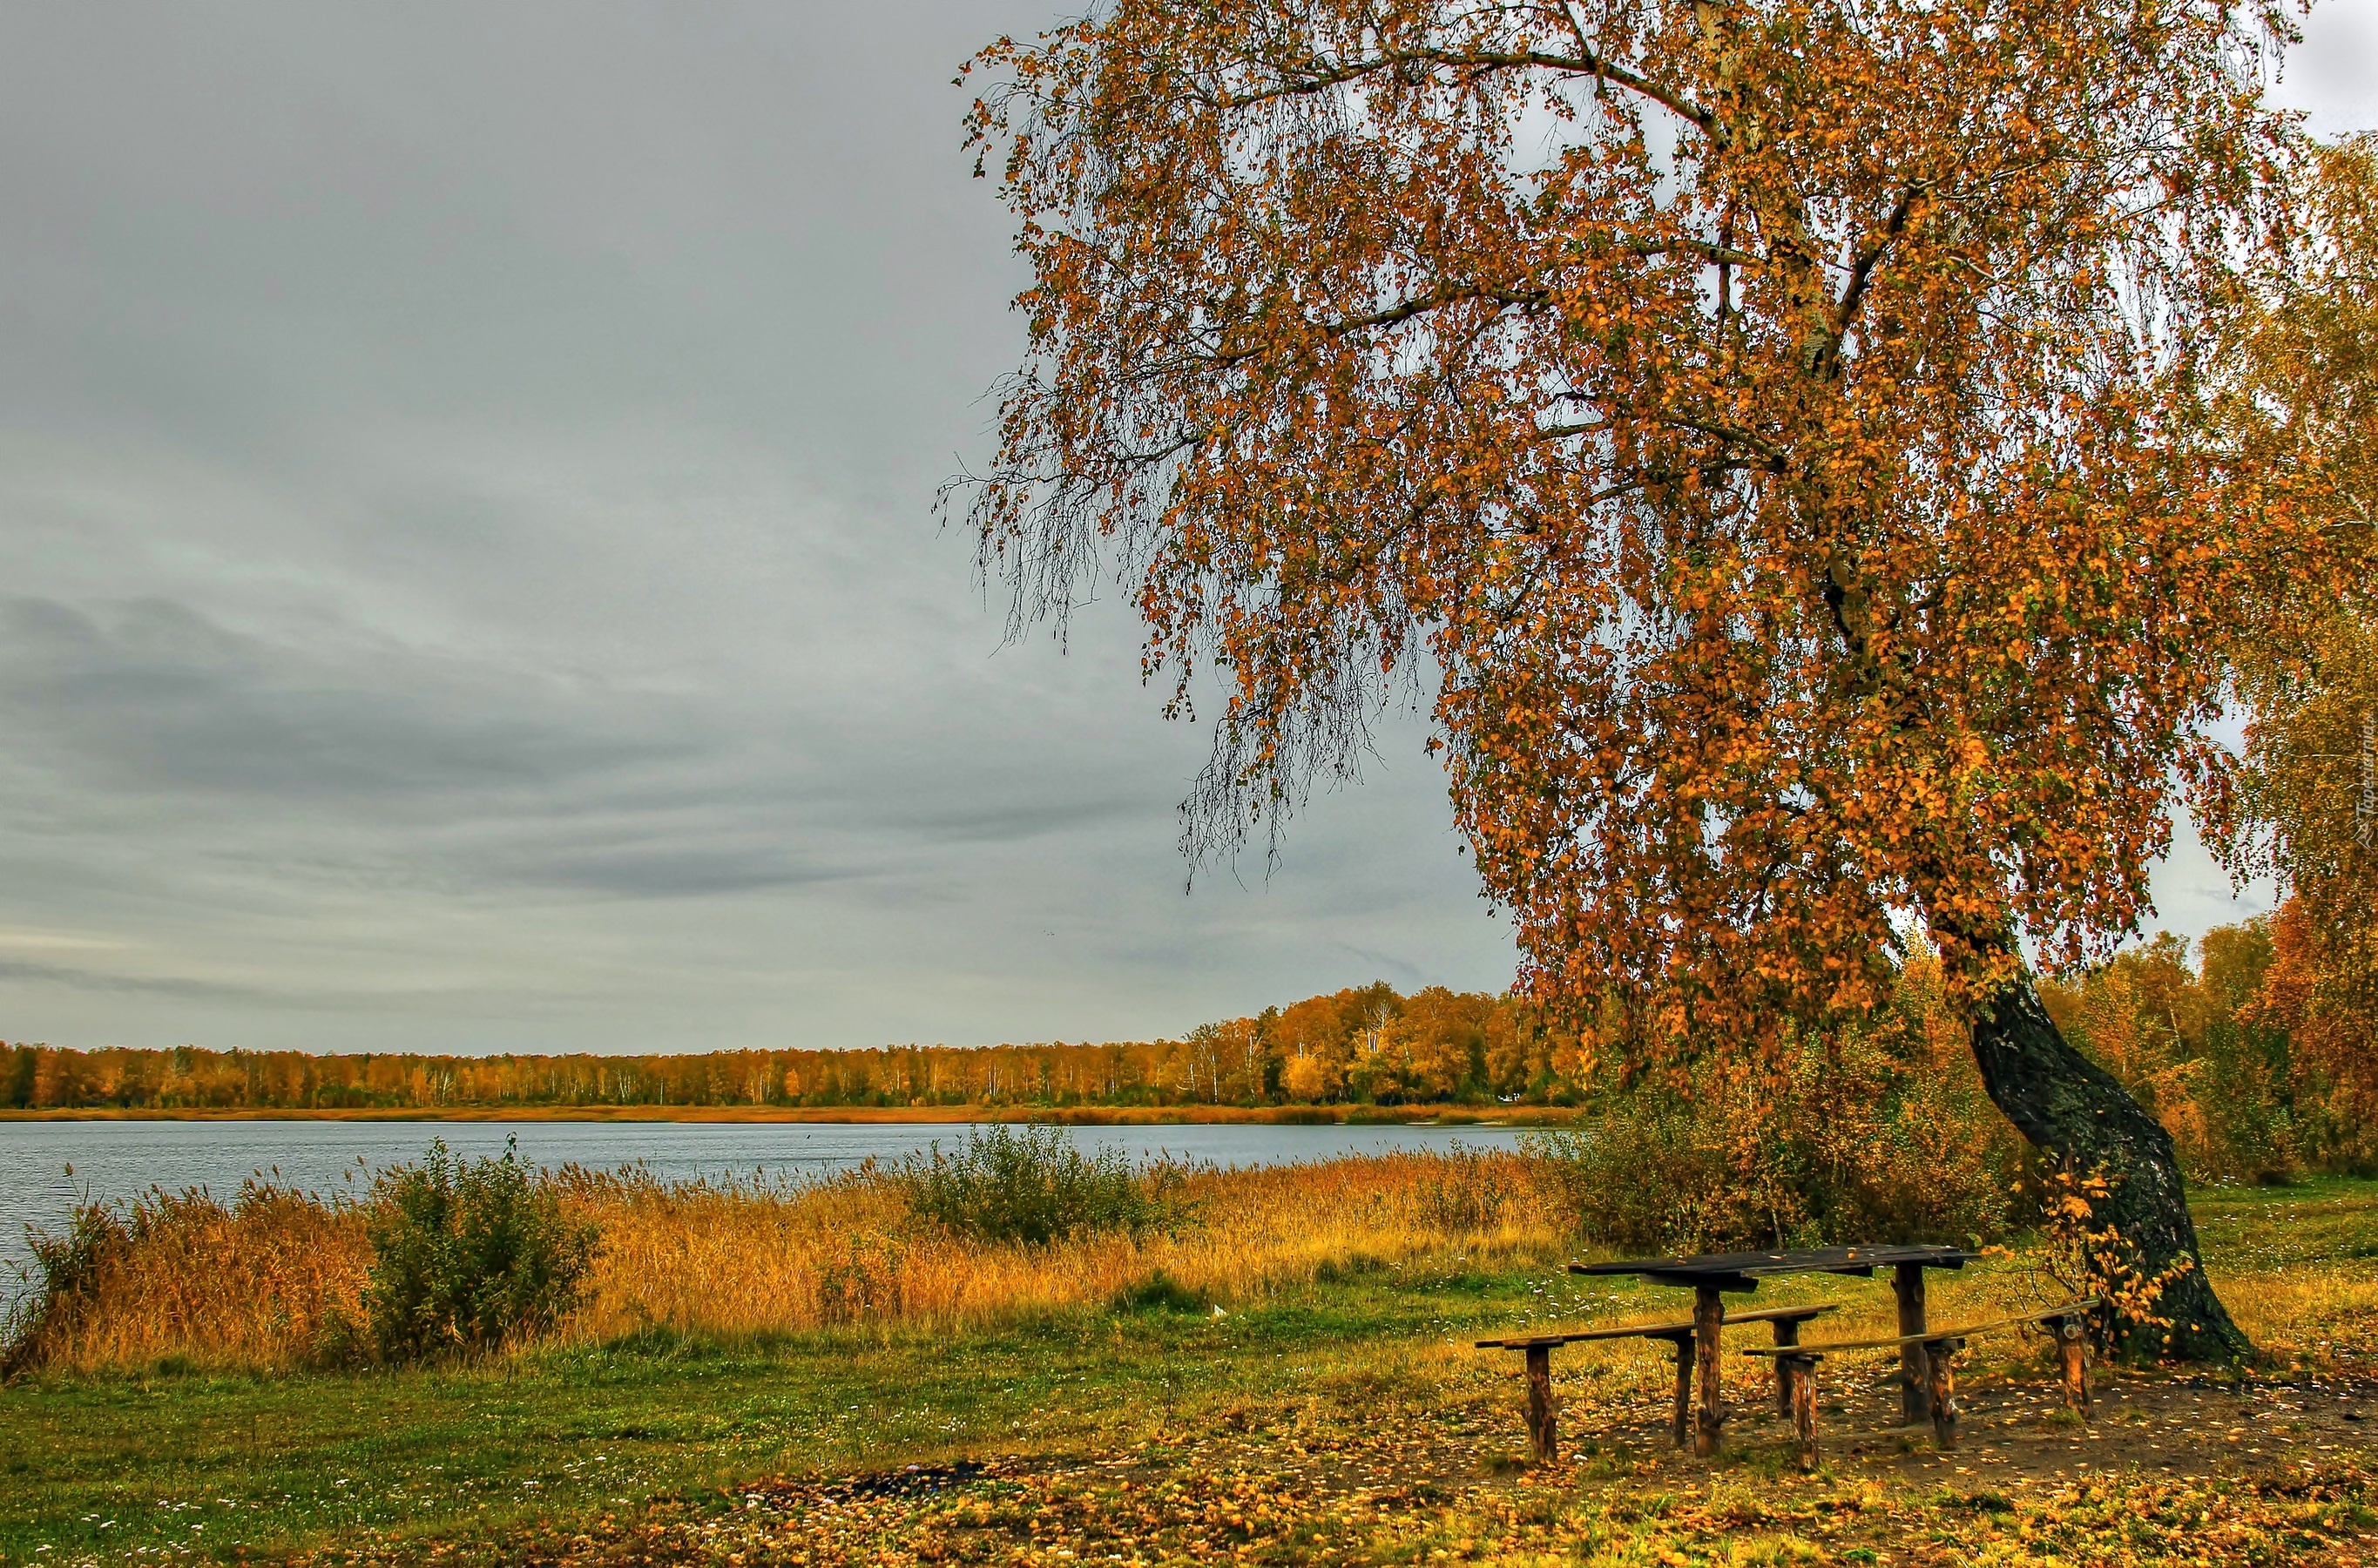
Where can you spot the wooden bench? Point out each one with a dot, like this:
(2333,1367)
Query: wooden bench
(1543,1439)
(1796,1368)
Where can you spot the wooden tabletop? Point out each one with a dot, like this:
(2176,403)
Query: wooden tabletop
(1742,1271)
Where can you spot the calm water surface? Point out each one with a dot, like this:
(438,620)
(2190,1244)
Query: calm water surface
(114,1161)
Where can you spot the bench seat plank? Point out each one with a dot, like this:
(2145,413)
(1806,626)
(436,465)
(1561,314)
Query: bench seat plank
(1655,1330)
(2067,1310)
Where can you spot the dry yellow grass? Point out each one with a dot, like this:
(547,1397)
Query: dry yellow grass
(741,1263)
(250,1284)
(2306,1310)
(257,1283)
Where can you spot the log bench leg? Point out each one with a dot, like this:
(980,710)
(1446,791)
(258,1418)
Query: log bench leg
(1940,1389)
(1543,1437)
(1799,1375)
(1684,1418)
(1787,1334)
(2075,1356)
(1907,1287)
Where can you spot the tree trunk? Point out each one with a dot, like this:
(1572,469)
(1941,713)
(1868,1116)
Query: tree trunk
(2072,1110)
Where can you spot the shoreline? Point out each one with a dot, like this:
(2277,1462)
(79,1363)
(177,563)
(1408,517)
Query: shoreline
(1064,1115)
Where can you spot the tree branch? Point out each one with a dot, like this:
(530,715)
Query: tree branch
(1586,62)
(1862,270)
(1404,310)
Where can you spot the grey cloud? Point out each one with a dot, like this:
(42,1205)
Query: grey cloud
(1033,810)
(1401,972)
(154,697)
(668,871)
(171,987)
(2330,77)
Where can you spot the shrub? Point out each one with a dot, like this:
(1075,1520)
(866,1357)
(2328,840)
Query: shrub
(468,1255)
(1637,1174)
(1033,1185)
(1850,1140)
(1159,1292)
(2079,1257)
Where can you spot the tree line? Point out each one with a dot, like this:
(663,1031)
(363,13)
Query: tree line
(1368,1043)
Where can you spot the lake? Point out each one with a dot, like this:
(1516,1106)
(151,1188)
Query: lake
(113,1160)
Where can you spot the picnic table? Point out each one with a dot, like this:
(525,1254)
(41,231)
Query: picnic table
(1710,1276)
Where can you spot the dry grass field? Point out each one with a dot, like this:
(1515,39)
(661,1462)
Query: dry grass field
(252,1286)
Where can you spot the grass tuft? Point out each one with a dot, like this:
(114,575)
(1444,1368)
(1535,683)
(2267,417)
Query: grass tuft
(1159,1292)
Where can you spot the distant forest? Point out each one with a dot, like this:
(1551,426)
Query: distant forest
(1369,1044)
(2222,1049)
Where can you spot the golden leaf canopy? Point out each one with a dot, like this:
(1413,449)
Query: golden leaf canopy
(1777,441)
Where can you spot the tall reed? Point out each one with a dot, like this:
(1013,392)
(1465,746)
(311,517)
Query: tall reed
(254,1282)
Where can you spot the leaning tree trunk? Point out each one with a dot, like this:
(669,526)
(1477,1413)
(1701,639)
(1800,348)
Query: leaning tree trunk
(2074,1111)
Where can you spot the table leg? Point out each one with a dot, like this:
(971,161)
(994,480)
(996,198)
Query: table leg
(1787,1334)
(1915,1407)
(1543,1438)
(1684,1421)
(1708,1313)
(1800,1389)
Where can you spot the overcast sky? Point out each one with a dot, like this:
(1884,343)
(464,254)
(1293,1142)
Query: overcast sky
(466,475)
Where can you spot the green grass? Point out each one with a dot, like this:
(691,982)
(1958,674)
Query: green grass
(217,1465)
(2327,1219)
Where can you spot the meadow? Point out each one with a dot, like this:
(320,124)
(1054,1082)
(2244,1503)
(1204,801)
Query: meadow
(1278,1368)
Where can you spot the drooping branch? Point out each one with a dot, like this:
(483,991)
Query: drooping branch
(1321,77)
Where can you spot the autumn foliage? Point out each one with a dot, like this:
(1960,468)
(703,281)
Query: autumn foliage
(1744,416)
(2228,1050)
(2303,806)
(1806,458)
(1880,1132)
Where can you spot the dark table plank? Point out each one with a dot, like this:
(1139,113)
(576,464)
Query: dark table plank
(1740,1270)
